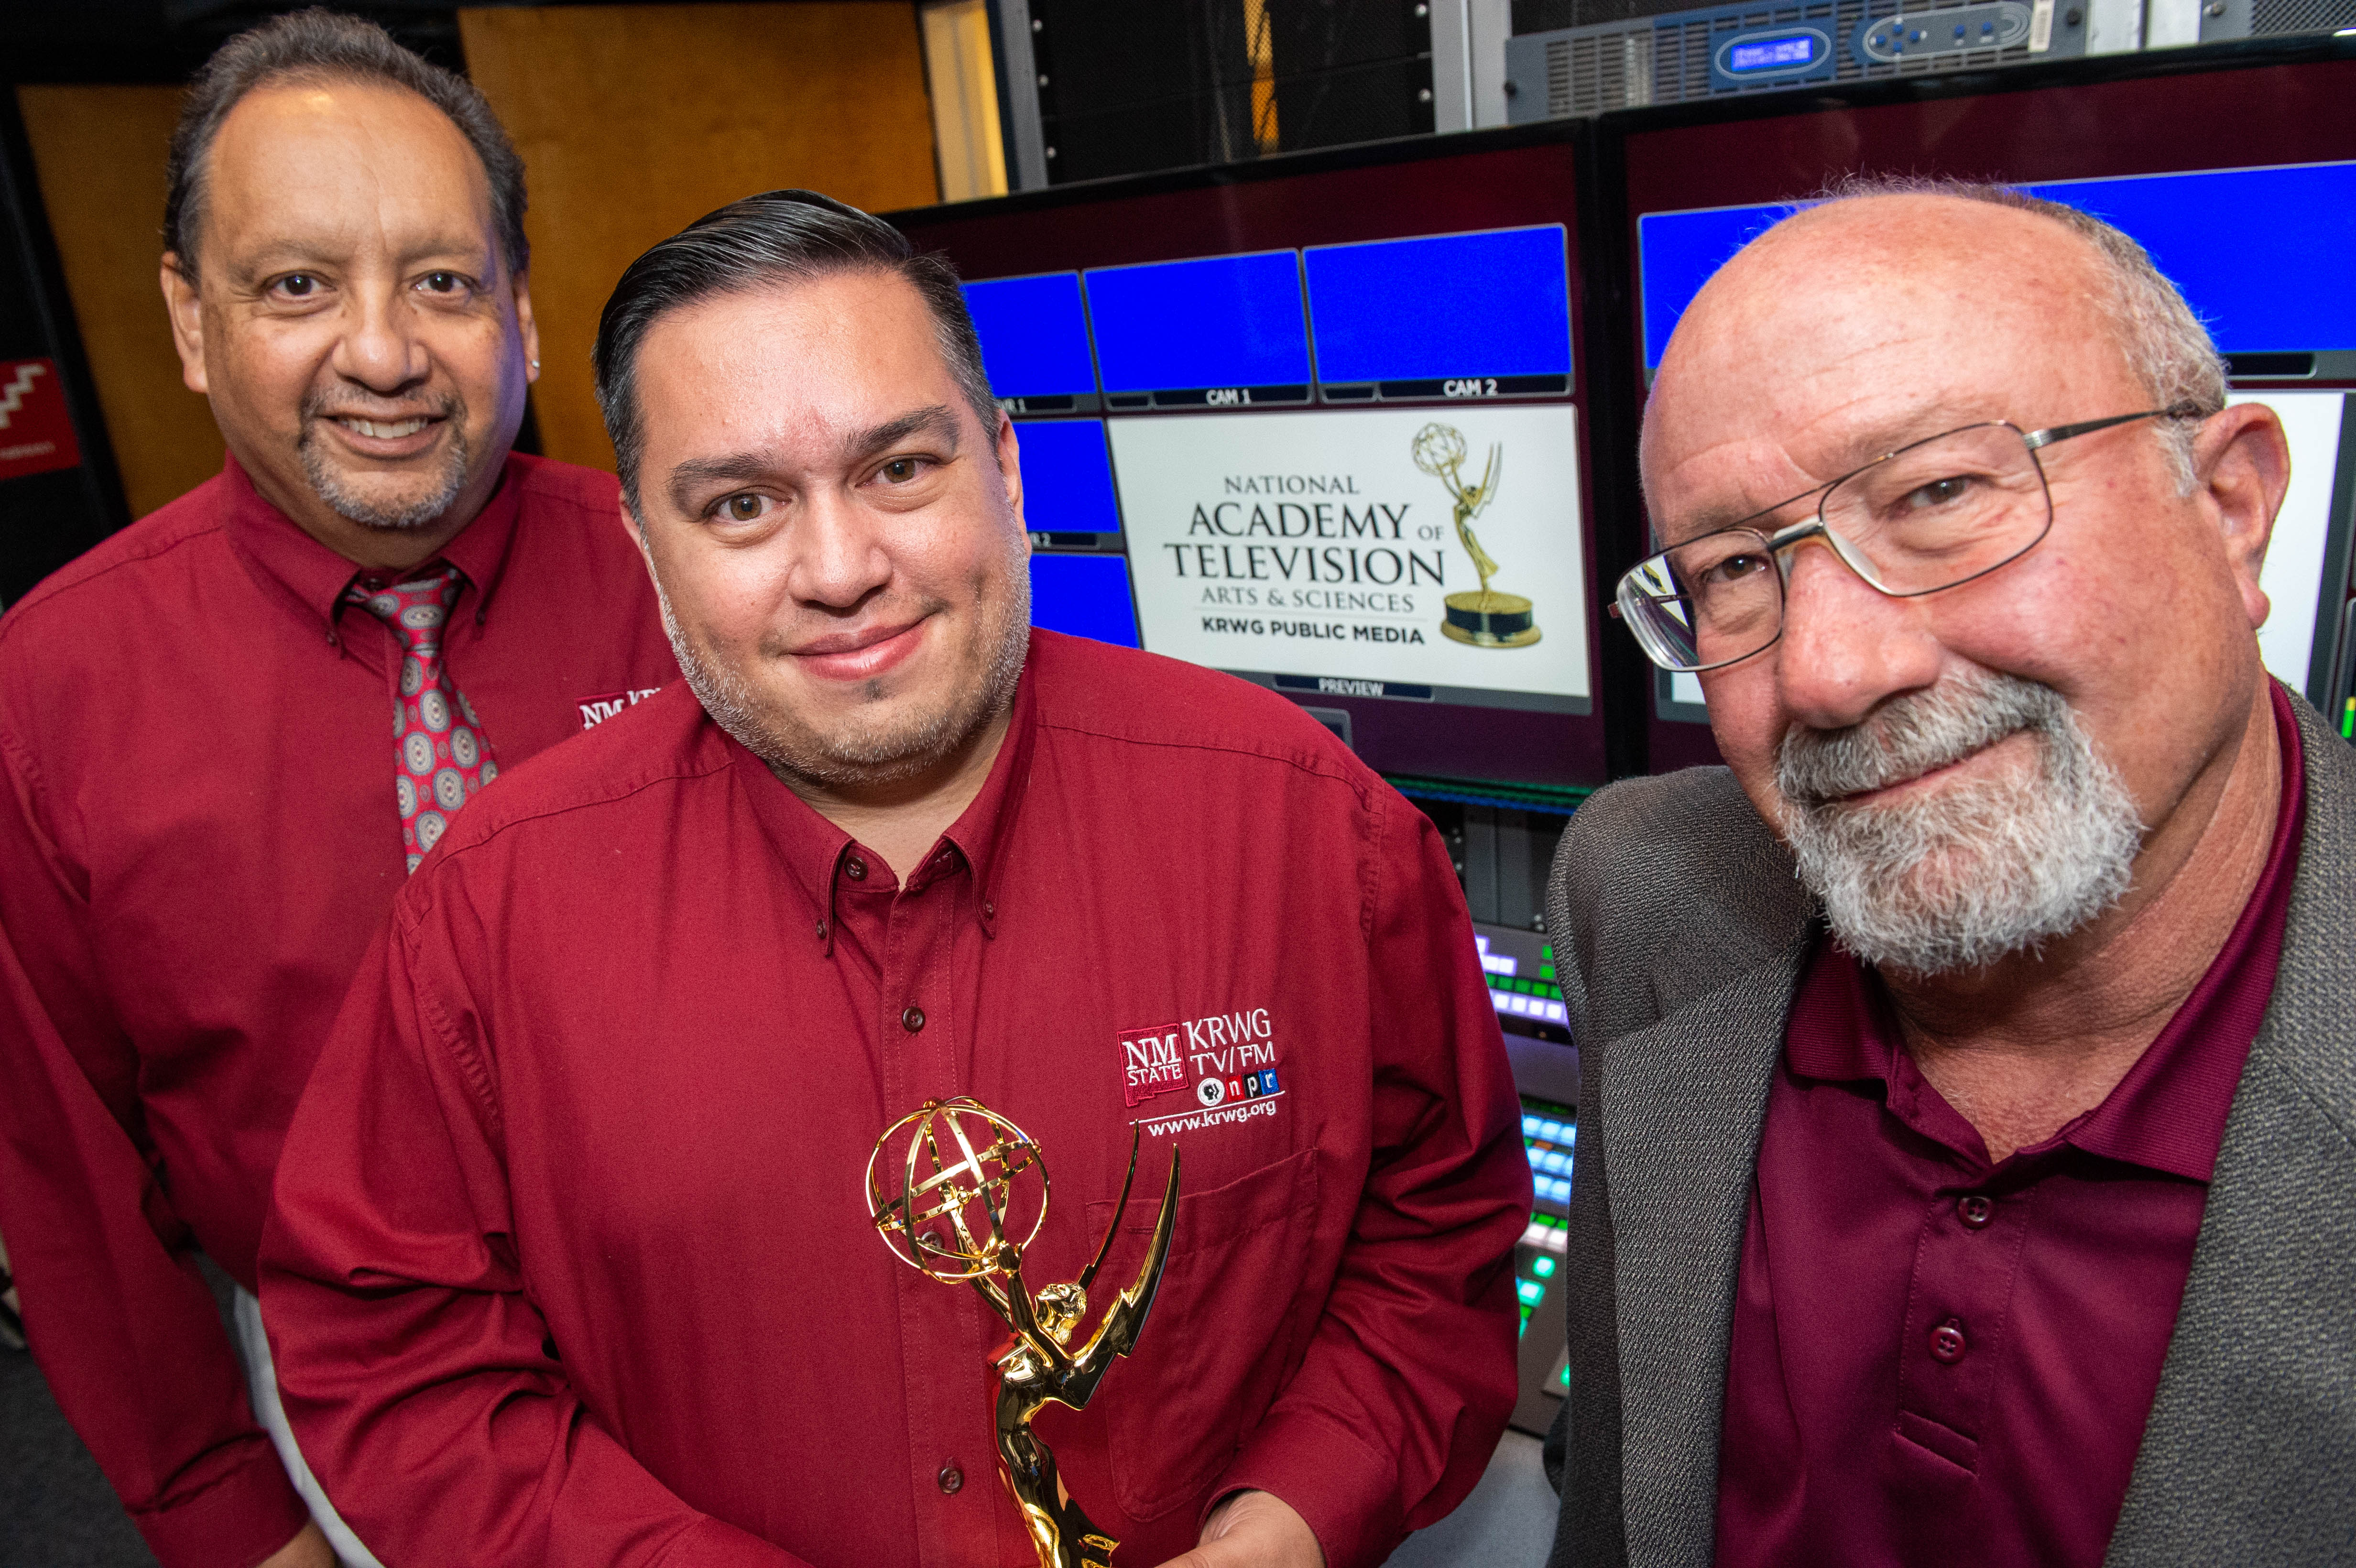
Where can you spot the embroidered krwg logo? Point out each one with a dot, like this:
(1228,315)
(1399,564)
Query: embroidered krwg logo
(1222,1057)
(1228,1054)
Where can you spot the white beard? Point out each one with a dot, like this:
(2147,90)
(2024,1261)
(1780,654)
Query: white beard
(1977,872)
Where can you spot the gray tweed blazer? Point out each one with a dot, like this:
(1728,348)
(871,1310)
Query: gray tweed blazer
(1680,931)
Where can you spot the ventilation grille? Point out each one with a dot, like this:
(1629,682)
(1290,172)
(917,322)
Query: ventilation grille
(2268,18)
(1591,72)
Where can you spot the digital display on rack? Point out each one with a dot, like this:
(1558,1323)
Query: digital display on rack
(2262,254)
(1034,337)
(1066,477)
(1771,53)
(1442,315)
(1218,331)
(1084,595)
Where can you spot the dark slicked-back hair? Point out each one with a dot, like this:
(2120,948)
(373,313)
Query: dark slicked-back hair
(780,236)
(318,46)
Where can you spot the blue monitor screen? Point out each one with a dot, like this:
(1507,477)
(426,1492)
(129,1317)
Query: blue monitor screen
(1067,476)
(2261,254)
(1771,53)
(1084,595)
(1224,321)
(1451,304)
(1034,335)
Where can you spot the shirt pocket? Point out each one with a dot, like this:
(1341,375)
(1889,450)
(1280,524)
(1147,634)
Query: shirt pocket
(1222,1336)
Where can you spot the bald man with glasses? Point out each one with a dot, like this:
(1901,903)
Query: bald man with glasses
(1965,1174)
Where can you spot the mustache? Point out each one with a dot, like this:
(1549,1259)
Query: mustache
(329,406)
(1911,735)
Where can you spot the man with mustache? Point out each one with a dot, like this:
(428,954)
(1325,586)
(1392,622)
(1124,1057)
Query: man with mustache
(231,732)
(1965,1174)
(571,1230)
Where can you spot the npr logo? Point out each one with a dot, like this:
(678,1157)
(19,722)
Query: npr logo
(595,710)
(1152,1061)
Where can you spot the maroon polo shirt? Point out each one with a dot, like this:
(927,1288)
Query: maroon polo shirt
(1938,1359)
(198,838)
(572,1262)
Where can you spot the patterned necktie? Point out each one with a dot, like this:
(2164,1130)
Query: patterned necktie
(442,756)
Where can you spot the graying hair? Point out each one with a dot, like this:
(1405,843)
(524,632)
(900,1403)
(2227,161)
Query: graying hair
(315,46)
(2167,347)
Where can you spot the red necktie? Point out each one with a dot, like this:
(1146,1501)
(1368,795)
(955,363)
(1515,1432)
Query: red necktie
(442,756)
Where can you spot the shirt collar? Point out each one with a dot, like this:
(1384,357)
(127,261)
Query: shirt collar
(816,851)
(315,577)
(2168,1113)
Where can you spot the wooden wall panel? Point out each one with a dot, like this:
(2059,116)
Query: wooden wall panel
(636,120)
(99,152)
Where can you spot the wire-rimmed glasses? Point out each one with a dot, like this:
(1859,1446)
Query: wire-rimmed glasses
(1932,515)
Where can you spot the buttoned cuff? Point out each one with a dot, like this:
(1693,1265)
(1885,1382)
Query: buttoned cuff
(235,1522)
(1347,1492)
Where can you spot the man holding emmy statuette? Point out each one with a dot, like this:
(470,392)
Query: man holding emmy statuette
(674,1187)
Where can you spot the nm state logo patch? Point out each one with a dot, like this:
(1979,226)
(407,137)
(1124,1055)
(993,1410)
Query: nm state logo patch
(1221,1061)
(595,710)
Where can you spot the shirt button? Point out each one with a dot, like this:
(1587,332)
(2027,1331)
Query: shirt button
(855,868)
(951,1479)
(1975,1211)
(1947,1342)
(912,1019)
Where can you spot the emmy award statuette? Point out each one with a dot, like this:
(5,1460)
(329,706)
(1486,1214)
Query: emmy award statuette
(947,1186)
(1486,619)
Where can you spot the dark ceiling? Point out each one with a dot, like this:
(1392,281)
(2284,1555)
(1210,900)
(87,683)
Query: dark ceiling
(166,40)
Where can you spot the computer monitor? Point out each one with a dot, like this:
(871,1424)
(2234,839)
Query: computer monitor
(1317,421)
(2236,169)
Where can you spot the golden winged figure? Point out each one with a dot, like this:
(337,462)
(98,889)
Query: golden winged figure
(1438,451)
(946,1174)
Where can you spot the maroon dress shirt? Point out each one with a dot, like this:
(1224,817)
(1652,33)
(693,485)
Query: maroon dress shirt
(572,1262)
(1938,1359)
(198,838)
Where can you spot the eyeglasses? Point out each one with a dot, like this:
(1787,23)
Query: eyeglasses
(1926,516)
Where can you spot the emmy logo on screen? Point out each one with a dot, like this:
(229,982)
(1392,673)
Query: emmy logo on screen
(950,1187)
(1486,619)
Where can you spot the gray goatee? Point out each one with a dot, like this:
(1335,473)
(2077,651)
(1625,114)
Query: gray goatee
(1978,870)
(332,487)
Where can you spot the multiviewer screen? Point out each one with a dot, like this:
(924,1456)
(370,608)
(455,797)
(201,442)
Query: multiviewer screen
(1345,467)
